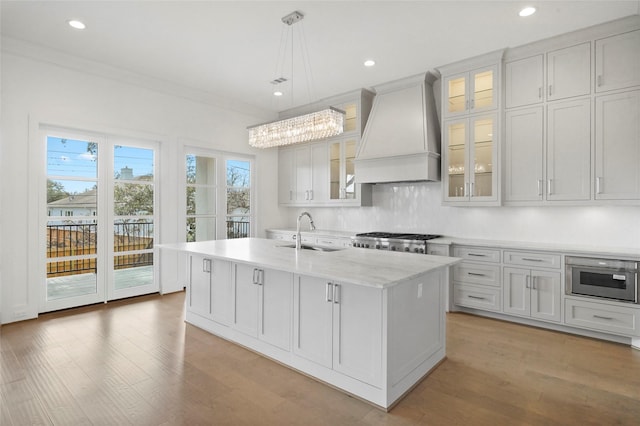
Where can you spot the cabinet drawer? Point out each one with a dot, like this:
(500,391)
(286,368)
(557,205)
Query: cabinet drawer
(477,254)
(596,316)
(333,242)
(477,297)
(542,260)
(474,273)
(438,249)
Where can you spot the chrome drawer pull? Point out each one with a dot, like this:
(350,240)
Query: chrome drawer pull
(476,297)
(475,274)
(477,255)
(604,318)
(531,260)
(329,294)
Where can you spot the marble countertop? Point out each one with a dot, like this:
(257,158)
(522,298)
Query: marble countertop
(569,249)
(350,265)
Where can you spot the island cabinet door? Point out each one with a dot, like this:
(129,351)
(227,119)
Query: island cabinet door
(246,289)
(312,319)
(357,332)
(199,288)
(221,292)
(274,310)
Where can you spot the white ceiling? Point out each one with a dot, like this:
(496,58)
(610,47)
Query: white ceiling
(230,48)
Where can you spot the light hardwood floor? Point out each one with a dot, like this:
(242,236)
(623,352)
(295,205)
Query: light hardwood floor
(137,362)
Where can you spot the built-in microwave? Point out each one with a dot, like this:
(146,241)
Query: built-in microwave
(605,278)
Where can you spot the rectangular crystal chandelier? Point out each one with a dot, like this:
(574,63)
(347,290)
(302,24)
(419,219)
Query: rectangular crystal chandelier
(316,125)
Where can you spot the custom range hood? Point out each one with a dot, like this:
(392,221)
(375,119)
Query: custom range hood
(401,140)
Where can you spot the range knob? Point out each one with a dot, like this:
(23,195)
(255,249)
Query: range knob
(366,245)
(393,248)
(406,249)
(422,250)
(356,244)
(417,250)
(378,246)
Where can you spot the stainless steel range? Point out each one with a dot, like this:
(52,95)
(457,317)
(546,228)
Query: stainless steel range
(413,243)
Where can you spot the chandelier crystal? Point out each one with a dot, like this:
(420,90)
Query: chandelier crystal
(316,125)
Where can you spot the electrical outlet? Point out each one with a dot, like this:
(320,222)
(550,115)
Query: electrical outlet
(419,290)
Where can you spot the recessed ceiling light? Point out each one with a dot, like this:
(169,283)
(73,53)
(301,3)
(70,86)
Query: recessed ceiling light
(527,11)
(369,63)
(78,25)
(277,93)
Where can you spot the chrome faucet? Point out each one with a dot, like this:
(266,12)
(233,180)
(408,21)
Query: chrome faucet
(298,238)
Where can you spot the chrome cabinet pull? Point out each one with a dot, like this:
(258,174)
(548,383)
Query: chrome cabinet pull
(470,296)
(329,292)
(206,265)
(533,283)
(260,276)
(475,274)
(477,255)
(336,293)
(526,283)
(599,185)
(540,187)
(471,186)
(539,92)
(548,186)
(529,259)
(255,276)
(290,195)
(550,89)
(599,80)
(604,318)
(311,194)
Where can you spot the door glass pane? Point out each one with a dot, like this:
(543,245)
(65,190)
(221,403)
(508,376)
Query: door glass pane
(71,258)
(350,175)
(132,199)
(133,222)
(456,154)
(68,157)
(334,172)
(201,229)
(238,198)
(131,163)
(483,89)
(483,157)
(456,91)
(200,198)
(71,231)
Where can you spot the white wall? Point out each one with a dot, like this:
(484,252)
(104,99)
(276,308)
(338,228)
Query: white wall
(417,207)
(37,91)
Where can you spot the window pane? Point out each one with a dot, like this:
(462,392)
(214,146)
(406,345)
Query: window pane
(132,199)
(201,200)
(201,170)
(238,173)
(132,163)
(238,200)
(131,235)
(71,198)
(68,157)
(71,238)
(238,226)
(201,229)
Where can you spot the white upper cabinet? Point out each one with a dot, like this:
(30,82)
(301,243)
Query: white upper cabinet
(618,61)
(617,161)
(569,72)
(286,176)
(471,92)
(524,154)
(524,80)
(469,159)
(569,150)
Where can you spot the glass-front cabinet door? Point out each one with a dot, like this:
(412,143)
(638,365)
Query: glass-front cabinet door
(471,92)
(470,157)
(342,170)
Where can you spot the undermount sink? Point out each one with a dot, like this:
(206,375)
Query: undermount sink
(308,247)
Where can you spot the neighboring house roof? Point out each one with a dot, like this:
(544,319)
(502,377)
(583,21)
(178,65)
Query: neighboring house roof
(86,199)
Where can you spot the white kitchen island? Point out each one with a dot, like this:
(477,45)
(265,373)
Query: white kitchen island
(368,322)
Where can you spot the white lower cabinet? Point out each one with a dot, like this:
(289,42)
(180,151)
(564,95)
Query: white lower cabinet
(475,296)
(209,292)
(598,316)
(532,293)
(339,326)
(262,306)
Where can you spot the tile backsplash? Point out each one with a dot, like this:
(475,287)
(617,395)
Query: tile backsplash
(417,207)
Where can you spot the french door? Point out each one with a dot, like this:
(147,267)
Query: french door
(100,219)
